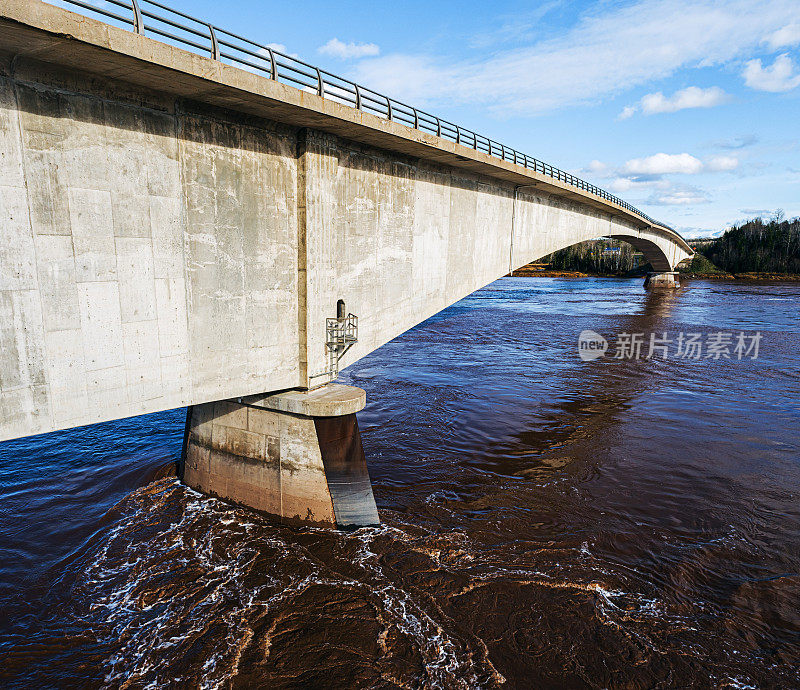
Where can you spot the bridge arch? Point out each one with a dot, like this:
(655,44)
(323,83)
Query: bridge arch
(654,253)
(543,224)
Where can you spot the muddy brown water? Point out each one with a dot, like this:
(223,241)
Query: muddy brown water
(547,522)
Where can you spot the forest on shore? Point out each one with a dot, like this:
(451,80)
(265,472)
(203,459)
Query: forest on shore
(601,257)
(757,247)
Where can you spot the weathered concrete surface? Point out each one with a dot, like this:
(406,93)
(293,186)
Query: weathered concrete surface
(159,251)
(298,468)
(333,400)
(666,280)
(52,34)
(148,255)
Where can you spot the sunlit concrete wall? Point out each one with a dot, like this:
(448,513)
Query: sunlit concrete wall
(158,252)
(401,239)
(148,255)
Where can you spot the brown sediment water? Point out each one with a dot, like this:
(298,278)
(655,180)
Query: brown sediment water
(547,522)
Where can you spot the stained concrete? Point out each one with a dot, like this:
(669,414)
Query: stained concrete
(667,280)
(299,468)
(53,34)
(332,400)
(159,250)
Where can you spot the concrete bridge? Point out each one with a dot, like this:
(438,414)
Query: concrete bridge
(177,231)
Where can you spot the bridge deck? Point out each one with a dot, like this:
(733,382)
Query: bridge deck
(51,34)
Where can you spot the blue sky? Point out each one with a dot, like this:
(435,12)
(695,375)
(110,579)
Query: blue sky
(688,109)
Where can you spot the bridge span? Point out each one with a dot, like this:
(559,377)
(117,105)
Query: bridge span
(178,231)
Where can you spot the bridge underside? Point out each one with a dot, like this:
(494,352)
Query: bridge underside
(161,251)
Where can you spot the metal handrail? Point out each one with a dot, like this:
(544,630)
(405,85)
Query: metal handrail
(254,57)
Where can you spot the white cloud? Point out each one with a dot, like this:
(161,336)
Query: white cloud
(664,164)
(597,168)
(650,174)
(516,25)
(679,197)
(660,164)
(406,77)
(780,76)
(348,51)
(623,185)
(279,47)
(611,49)
(735,143)
(785,37)
(722,163)
(690,97)
(699,233)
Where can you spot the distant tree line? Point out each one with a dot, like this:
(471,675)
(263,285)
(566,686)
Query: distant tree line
(605,257)
(758,246)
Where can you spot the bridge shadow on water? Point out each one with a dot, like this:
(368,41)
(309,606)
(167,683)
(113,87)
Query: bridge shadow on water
(599,398)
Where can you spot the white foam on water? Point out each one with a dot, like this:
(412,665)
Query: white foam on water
(129,583)
(446,663)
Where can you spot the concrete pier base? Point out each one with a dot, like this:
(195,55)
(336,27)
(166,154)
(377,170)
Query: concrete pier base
(296,456)
(661,280)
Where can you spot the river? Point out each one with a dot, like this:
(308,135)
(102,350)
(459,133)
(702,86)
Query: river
(547,521)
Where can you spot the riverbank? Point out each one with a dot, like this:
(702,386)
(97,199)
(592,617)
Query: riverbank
(788,277)
(525,272)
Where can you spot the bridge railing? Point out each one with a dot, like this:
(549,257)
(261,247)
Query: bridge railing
(180,29)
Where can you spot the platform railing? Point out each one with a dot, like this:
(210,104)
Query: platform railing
(180,29)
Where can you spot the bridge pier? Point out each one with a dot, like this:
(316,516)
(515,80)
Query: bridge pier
(296,456)
(658,280)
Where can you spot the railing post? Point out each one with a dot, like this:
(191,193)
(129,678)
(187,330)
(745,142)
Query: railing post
(475,140)
(458,134)
(358,97)
(138,22)
(438,127)
(214,44)
(321,85)
(416,119)
(389,108)
(273,66)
